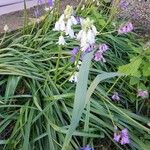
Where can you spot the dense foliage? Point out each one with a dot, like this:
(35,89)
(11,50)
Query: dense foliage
(40,109)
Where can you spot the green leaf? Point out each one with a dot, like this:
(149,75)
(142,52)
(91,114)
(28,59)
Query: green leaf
(146,69)
(12,83)
(134,80)
(80,98)
(131,68)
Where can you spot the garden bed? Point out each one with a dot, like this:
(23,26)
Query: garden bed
(75,80)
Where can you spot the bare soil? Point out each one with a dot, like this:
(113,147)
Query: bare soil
(15,20)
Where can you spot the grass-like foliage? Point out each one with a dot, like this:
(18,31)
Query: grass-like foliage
(41,110)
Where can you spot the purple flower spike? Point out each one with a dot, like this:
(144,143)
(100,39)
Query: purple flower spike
(103,47)
(50,3)
(115,96)
(124,137)
(142,93)
(99,56)
(126,28)
(123,4)
(86,148)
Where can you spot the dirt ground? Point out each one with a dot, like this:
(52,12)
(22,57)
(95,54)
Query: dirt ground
(15,20)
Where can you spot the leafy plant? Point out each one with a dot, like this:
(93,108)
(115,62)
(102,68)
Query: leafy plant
(40,109)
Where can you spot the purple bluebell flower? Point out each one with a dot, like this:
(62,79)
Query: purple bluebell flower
(128,27)
(72,59)
(88,49)
(103,47)
(50,3)
(117,137)
(135,15)
(115,96)
(75,51)
(124,137)
(142,93)
(99,56)
(86,148)
(123,4)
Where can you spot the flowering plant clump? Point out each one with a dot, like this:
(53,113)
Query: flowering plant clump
(67,82)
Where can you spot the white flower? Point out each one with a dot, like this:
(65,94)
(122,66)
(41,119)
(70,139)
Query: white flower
(62,25)
(79,64)
(86,39)
(85,47)
(6,28)
(73,20)
(69,23)
(70,32)
(74,77)
(87,34)
(65,23)
(94,30)
(62,17)
(90,37)
(57,26)
(83,39)
(79,35)
(61,40)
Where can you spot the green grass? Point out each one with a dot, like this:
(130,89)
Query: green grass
(40,109)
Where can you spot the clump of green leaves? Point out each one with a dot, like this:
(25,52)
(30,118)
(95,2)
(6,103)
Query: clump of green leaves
(43,110)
